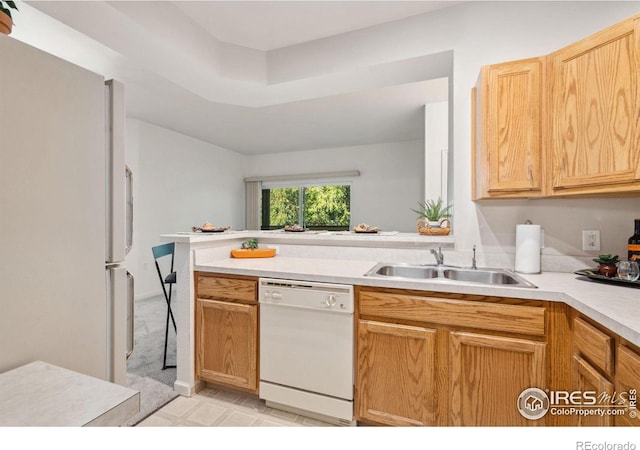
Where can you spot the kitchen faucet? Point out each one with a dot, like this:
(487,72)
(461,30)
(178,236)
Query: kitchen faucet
(439,256)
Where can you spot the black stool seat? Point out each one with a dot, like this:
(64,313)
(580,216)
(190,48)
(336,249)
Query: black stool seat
(161,251)
(171,278)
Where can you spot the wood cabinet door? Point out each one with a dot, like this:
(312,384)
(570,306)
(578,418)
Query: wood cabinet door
(396,374)
(595,113)
(628,381)
(488,374)
(587,378)
(226,343)
(510,129)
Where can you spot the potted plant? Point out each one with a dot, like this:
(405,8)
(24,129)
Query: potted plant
(433,211)
(6,21)
(250,244)
(607,264)
(433,214)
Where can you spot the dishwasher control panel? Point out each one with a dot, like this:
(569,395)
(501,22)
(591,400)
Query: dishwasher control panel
(303,294)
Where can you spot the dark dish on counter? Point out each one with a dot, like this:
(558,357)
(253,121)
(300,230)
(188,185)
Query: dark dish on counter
(594,275)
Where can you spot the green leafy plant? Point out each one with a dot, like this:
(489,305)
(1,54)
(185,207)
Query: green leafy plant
(7,6)
(250,244)
(606,258)
(433,210)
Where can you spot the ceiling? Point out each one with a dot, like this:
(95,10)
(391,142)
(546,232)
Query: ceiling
(220,71)
(270,25)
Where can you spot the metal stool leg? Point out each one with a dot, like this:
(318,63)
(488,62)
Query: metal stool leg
(166,329)
(161,251)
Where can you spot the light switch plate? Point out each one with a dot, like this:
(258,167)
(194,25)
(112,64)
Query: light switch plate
(590,240)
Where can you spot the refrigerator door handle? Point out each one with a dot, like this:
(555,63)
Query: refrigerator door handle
(116,221)
(130,314)
(118,319)
(129,211)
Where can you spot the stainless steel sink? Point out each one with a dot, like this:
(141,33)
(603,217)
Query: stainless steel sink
(407,271)
(449,274)
(480,276)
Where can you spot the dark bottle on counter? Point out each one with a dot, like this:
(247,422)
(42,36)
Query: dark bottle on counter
(633,248)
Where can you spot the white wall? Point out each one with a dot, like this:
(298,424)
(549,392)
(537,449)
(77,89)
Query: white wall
(484,33)
(390,182)
(179,182)
(436,144)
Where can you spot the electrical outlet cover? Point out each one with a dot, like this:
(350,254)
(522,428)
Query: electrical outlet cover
(590,240)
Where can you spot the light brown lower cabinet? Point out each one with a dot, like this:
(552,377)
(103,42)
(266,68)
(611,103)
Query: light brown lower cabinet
(226,329)
(397,374)
(588,378)
(442,359)
(628,381)
(227,336)
(605,366)
(488,373)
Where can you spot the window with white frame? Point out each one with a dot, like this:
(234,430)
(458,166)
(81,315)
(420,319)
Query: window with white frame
(314,205)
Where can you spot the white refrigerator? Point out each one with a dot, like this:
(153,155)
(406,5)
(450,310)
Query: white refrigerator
(65,216)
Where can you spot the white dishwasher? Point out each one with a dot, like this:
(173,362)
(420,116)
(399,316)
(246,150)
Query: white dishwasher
(307,348)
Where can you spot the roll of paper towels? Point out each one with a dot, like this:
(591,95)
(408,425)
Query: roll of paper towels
(528,244)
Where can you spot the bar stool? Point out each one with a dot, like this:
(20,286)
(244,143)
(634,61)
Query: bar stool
(161,251)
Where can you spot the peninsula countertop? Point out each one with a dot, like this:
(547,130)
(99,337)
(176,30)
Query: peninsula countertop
(615,307)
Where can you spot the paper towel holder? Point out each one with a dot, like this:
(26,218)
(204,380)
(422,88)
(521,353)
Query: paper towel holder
(529,222)
(528,248)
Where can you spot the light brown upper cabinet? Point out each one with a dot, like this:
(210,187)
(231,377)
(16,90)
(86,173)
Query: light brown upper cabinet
(595,113)
(508,130)
(566,124)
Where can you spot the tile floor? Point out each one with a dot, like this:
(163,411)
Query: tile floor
(213,407)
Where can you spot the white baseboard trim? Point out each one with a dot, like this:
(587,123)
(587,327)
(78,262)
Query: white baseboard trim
(188,389)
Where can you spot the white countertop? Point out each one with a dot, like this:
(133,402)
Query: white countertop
(615,307)
(343,238)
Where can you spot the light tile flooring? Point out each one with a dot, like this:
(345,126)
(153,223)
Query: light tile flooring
(213,407)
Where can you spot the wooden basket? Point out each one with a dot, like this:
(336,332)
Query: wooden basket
(427,230)
(253,252)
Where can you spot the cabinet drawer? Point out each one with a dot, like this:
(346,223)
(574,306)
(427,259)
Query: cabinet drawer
(230,289)
(593,344)
(462,313)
